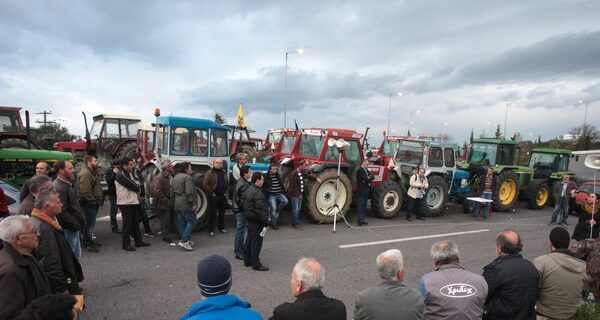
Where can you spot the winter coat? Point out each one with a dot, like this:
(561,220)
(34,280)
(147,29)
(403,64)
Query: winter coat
(209,183)
(162,191)
(90,189)
(388,300)
(110,176)
(417,186)
(561,279)
(22,280)
(311,305)
(363,182)
(512,288)
(558,189)
(71,217)
(582,229)
(256,206)
(226,306)
(128,189)
(268,184)
(240,187)
(183,192)
(26,205)
(294,182)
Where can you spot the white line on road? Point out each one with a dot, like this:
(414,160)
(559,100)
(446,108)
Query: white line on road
(364,244)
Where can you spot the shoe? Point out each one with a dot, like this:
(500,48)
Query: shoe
(297,226)
(260,268)
(364,222)
(94,237)
(420,218)
(551,223)
(275,227)
(142,244)
(167,239)
(239,257)
(96,244)
(211,234)
(565,223)
(408,218)
(185,245)
(150,234)
(116,230)
(191,242)
(129,248)
(247,264)
(92,249)
(223,231)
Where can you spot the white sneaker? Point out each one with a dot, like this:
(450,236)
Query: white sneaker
(185,245)
(191,242)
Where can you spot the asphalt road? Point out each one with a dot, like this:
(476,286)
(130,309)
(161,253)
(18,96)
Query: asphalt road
(159,282)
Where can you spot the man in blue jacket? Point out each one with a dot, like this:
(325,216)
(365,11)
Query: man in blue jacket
(214,280)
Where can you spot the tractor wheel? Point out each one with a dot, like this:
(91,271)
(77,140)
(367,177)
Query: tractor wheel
(386,200)
(127,150)
(507,191)
(540,197)
(201,212)
(436,197)
(321,197)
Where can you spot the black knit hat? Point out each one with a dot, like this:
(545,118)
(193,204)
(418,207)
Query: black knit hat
(214,275)
(559,237)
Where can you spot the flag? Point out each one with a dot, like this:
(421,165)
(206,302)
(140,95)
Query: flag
(241,118)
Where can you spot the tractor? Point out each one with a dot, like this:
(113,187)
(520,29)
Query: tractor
(549,166)
(318,146)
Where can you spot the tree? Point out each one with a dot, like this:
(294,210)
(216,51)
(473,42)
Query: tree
(46,135)
(219,118)
(498,133)
(471,138)
(588,137)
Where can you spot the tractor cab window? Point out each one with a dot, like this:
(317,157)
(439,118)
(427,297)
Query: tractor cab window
(310,146)
(274,137)
(161,140)
(506,154)
(409,152)
(435,157)
(563,162)
(388,147)
(353,157)
(96,128)
(128,128)
(288,144)
(449,157)
(180,141)
(200,142)
(483,154)
(218,143)
(550,162)
(111,128)
(9,122)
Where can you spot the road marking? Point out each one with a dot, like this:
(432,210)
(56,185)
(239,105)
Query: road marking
(364,244)
(107,218)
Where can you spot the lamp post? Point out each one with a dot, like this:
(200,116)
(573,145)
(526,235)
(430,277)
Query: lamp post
(411,119)
(298,51)
(585,114)
(390,111)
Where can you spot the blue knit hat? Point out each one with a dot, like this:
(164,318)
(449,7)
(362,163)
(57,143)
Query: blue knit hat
(214,275)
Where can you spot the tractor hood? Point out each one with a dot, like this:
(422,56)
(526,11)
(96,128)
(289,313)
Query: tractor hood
(461,174)
(14,153)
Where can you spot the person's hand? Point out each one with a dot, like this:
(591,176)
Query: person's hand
(319,179)
(592,222)
(115,170)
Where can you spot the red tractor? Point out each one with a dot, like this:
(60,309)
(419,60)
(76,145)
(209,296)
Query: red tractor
(318,146)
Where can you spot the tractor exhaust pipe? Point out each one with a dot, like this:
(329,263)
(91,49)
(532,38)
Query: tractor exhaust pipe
(28,129)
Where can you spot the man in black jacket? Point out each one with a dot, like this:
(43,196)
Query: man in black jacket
(513,282)
(110,176)
(257,216)
(307,280)
(363,189)
(71,218)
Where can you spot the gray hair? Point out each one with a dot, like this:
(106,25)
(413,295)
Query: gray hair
(36,182)
(389,263)
(43,198)
(241,156)
(444,252)
(165,163)
(12,226)
(310,272)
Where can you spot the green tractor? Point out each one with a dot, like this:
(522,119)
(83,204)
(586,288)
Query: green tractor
(500,156)
(549,166)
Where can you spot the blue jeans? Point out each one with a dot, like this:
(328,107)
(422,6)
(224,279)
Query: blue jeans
(187,223)
(296,206)
(361,207)
(275,204)
(240,229)
(561,204)
(90,211)
(486,206)
(74,242)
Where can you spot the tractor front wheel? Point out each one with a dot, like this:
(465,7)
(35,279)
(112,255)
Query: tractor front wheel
(436,197)
(540,197)
(386,200)
(506,192)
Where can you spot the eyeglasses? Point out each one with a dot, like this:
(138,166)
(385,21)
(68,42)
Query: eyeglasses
(30,232)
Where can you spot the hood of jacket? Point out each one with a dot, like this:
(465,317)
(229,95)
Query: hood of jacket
(218,303)
(567,262)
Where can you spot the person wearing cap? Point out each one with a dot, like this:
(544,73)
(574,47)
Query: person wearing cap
(214,280)
(561,278)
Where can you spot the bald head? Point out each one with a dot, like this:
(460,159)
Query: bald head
(509,242)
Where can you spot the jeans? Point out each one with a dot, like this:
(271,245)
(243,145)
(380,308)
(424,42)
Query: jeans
(74,242)
(187,223)
(90,211)
(240,229)
(276,202)
(361,207)
(296,206)
(253,245)
(486,206)
(216,205)
(561,204)
(113,212)
(131,224)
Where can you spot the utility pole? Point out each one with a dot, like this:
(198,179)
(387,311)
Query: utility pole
(45,122)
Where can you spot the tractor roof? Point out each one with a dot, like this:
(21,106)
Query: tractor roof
(146,126)
(10,109)
(494,141)
(551,150)
(173,121)
(116,116)
(332,131)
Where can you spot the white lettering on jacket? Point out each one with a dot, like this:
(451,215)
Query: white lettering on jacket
(458,290)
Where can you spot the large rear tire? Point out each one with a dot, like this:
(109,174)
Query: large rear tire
(436,197)
(386,200)
(321,197)
(539,196)
(506,192)
(128,149)
(202,211)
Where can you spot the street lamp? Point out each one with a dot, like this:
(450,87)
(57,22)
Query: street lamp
(411,117)
(298,51)
(585,114)
(390,111)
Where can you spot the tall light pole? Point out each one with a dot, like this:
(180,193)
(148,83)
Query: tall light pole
(390,111)
(585,114)
(411,119)
(298,51)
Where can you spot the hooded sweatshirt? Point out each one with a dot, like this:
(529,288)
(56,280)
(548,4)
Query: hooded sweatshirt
(561,280)
(220,307)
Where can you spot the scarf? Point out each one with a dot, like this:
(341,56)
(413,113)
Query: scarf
(587,207)
(44,217)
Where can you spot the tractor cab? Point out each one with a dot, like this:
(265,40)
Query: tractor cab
(547,162)
(492,152)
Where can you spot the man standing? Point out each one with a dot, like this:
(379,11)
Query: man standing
(71,218)
(512,281)
(256,209)
(416,192)
(90,198)
(363,189)
(562,277)
(41,169)
(215,186)
(185,203)
(274,189)
(214,280)
(110,175)
(562,192)
(36,184)
(391,299)
(162,198)
(451,292)
(486,188)
(238,209)
(53,253)
(297,185)
(22,279)
(308,277)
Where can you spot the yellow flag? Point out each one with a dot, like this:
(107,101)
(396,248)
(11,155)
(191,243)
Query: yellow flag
(241,118)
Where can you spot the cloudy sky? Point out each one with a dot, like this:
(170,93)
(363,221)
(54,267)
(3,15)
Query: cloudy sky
(457,62)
